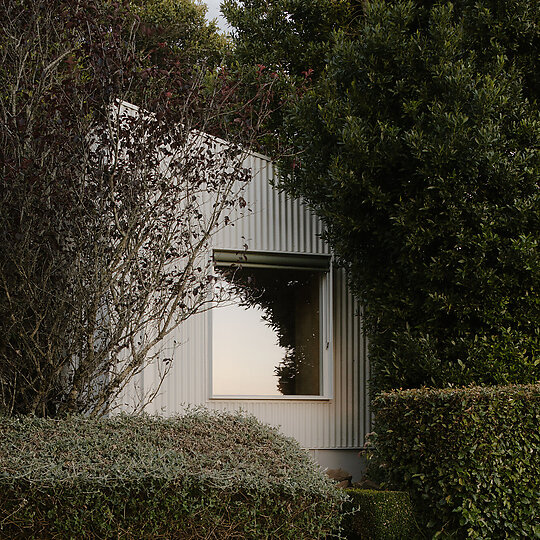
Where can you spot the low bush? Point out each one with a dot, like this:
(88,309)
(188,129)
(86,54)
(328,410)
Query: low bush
(202,475)
(469,457)
(378,515)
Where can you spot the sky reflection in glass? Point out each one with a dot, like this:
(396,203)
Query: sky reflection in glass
(266,341)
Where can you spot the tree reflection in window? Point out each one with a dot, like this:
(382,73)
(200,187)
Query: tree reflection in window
(288,301)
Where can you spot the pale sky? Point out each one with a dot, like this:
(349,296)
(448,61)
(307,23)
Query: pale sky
(213,13)
(245,352)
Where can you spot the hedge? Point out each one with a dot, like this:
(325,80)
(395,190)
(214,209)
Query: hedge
(379,515)
(470,457)
(202,475)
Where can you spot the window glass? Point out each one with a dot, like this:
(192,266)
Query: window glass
(266,333)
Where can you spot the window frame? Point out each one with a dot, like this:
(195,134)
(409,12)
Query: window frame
(281,260)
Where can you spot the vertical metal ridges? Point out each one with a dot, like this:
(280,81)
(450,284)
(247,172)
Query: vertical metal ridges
(273,222)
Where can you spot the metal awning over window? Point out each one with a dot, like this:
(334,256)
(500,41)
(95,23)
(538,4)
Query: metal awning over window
(257,259)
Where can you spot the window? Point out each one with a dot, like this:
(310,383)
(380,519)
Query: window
(270,331)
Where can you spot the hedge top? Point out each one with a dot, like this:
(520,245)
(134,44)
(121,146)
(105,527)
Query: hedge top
(469,393)
(221,450)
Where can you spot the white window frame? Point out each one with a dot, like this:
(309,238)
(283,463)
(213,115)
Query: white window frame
(286,261)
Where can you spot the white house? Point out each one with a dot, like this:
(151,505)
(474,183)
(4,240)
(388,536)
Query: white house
(304,367)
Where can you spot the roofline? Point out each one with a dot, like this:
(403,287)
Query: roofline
(219,140)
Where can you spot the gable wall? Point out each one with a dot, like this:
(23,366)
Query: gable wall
(271,222)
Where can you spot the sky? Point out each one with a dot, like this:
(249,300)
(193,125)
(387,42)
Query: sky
(213,13)
(231,350)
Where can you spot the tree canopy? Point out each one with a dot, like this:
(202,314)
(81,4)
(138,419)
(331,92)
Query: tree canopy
(417,143)
(298,31)
(183,26)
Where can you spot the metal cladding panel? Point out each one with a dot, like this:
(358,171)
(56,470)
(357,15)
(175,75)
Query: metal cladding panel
(275,223)
(271,221)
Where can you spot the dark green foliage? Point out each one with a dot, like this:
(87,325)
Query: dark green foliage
(379,515)
(419,148)
(202,475)
(180,25)
(469,457)
(299,31)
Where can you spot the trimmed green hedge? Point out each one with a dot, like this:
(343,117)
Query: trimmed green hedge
(470,457)
(379,515)
(203,475)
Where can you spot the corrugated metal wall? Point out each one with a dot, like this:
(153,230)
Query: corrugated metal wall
(272,222)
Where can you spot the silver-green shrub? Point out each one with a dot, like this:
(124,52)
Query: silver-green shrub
(202,475)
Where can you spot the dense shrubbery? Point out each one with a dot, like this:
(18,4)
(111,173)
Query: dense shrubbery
(203,475)
(379,515)
(470,457)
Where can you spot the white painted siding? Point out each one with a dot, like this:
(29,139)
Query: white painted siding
(272,222)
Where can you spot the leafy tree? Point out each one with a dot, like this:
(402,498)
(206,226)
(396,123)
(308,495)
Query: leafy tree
(418,145)
(106,209)
(288,38)
(182,25)
(298,31)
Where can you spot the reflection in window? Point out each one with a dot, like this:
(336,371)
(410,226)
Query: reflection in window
(266,338)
